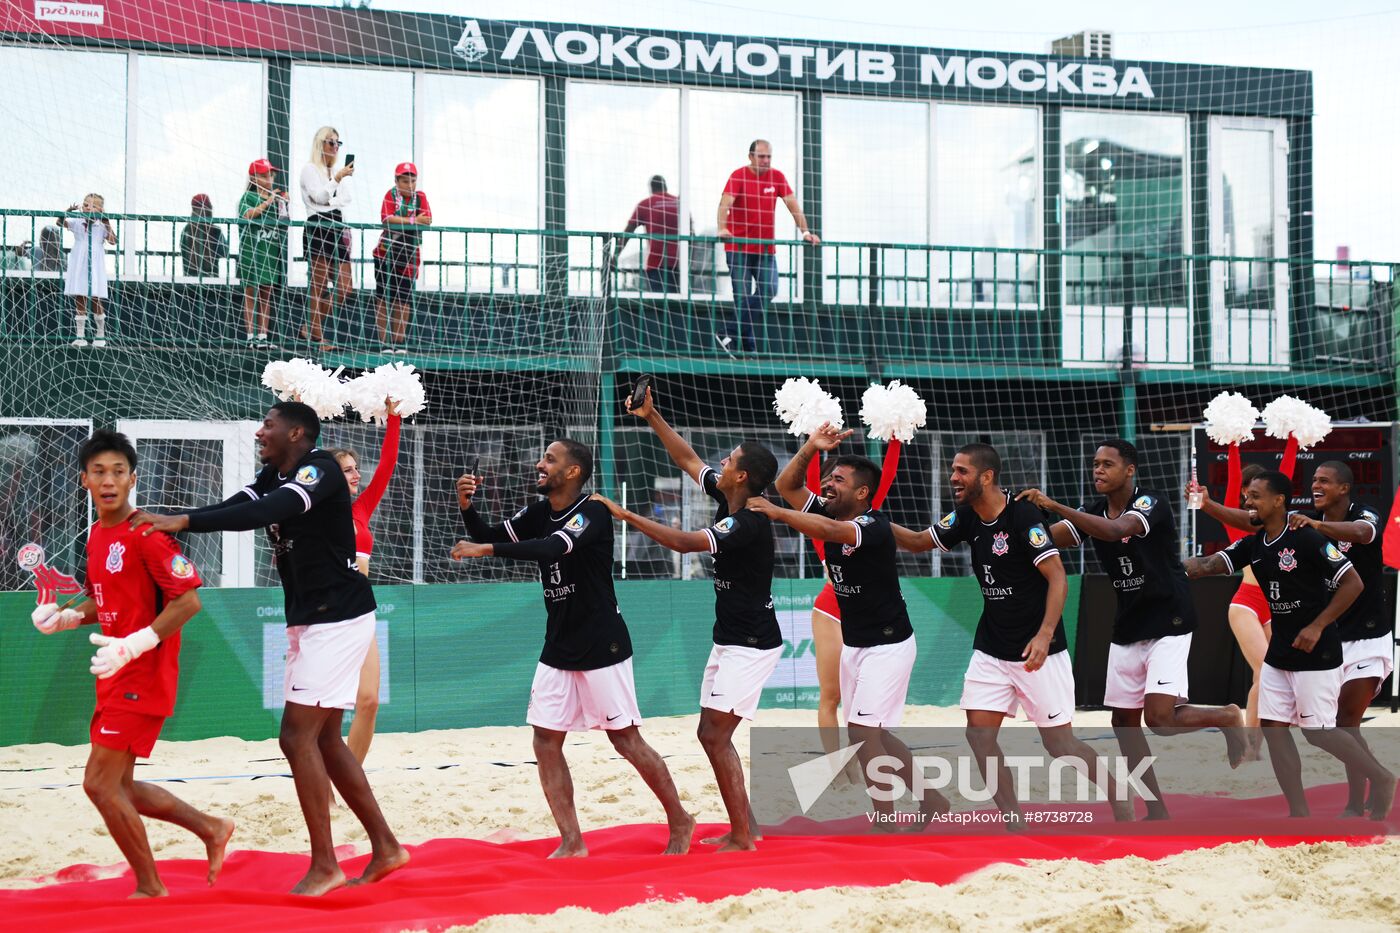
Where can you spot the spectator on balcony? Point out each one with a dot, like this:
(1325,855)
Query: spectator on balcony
(746,212)
(16,258)
(87,270)
(404,212)
(324,191)
(262,249)
(49,255)
(202,244)
(659,214)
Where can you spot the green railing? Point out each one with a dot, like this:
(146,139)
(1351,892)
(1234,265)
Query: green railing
(519,292)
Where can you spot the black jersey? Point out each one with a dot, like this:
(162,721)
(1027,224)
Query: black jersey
(1366,618)
(1005,554)
(742,544)
(308,521)
(1154,597)
(585,629)
(1298,572)
(865,578)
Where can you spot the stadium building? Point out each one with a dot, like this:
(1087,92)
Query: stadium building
(1050,249)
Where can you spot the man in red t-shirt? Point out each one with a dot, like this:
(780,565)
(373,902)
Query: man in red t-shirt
(403,211)
(746,212)
(660,215)
(142,591)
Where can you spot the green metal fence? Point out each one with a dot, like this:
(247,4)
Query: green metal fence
(514,292)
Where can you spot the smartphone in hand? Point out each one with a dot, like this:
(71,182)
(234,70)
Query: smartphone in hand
(350,160)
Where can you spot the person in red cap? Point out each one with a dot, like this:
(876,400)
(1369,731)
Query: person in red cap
(262,248)
(202,244)
(404,210)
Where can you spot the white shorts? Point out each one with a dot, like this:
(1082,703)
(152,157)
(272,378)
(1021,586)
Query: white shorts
(324,661)
(734,678)
(576,701)
(1154,666)
(875,682)
(1369,657)
(1047,694)
(1303,698)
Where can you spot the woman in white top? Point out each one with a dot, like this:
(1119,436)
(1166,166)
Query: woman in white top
(87,267)
(324,191)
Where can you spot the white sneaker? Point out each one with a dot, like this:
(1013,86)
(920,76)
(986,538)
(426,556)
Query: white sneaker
(99,343)
(401,351)
(80,342)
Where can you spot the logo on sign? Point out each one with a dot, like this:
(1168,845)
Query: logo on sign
(999,543)
(70,12)
(471,47)
(1286,559)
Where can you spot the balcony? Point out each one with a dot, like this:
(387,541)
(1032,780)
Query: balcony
(496,299)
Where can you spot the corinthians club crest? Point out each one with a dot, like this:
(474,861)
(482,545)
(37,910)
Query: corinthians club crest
(1286,559)
(999,543)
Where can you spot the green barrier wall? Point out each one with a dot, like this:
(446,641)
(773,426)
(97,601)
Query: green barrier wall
(458,656)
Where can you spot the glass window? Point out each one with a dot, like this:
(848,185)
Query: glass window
(482,168)
(65,123)
(1124,191)
(617,137)
(199,122)
(373,112)
(986,196)
(874,189)
(722,124)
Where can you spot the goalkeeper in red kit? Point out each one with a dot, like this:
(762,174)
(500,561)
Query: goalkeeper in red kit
(142,591)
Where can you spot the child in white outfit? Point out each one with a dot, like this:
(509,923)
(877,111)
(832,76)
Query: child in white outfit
(87,268)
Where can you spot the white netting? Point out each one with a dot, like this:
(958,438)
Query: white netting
(1041,250)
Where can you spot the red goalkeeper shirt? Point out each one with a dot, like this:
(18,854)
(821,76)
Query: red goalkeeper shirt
(132,577)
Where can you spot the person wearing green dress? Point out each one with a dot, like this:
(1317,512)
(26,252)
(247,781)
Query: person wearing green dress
(262,249)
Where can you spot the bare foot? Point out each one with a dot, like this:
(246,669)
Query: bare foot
(381,866)
(1350,812)
(572,849)
(1123,811)
(215,845)
(741,846)
(1237,745)
(157,891)
(724,840)
(320,881)
(1157,811)
(1382,796)
(679,843)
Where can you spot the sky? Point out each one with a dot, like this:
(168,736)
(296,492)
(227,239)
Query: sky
(1349,46)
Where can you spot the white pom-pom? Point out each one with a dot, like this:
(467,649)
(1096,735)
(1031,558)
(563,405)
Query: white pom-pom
(1230,419)
(307,382)
(1287,415)
(804,406)
(892,411)
(369,393)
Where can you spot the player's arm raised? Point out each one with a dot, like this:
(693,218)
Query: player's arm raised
(1127,525)
(477,527)
(1235,518)
(1357,532)
(907,539)
(680,452)
(813,526)
(1053,570)
(683,542)
(1211,566)
(792,481)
